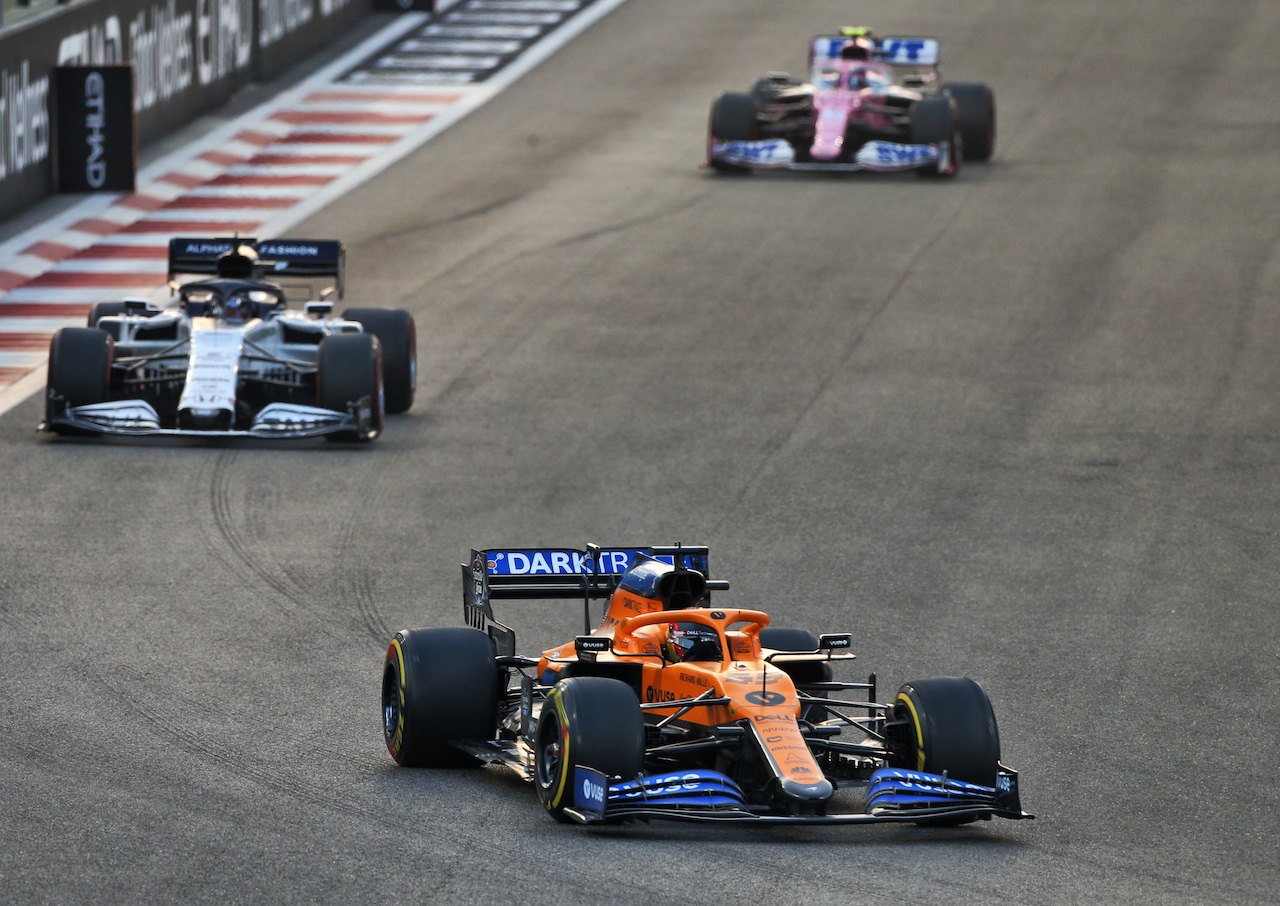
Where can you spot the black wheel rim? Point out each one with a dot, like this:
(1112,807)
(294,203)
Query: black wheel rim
(549,749)
(390,703)
(901,739)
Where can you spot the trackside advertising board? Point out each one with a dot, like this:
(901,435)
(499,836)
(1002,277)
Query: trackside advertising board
(97,148)
(188,57)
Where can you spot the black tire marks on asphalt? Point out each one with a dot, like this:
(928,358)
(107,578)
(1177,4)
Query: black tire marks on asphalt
(292,586)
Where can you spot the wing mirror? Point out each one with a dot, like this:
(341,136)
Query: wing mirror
(588,646)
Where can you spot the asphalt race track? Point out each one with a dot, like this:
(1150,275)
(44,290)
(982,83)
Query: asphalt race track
(1022,426)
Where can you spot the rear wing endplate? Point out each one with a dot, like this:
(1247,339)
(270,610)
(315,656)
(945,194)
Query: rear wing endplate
(555,573)
(278,259)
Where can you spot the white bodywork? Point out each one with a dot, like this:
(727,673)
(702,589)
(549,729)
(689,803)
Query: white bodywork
(212,359)
(212,367)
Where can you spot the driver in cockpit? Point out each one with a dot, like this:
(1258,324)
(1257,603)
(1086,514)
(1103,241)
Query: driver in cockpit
(237,307)
(873,75)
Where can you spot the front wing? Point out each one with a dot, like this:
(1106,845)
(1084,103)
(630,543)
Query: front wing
(893,795)
(876,156)
(283,420)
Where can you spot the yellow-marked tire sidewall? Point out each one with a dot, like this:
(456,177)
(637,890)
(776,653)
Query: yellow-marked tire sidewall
(600,727)
(556,698)
(950,729)
(445,683)
(917,734)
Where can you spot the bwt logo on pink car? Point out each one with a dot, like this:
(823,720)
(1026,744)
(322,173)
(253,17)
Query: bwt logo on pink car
(904,154)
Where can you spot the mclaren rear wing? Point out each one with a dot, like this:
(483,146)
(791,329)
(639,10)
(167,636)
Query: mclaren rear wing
(556,573)
(278,259)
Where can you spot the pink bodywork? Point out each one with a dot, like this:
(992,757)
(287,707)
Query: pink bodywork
(857,95)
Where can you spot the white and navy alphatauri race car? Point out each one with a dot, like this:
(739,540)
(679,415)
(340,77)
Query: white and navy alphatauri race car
(230,358)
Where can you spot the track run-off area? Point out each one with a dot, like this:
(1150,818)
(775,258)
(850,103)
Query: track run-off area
(1021,426)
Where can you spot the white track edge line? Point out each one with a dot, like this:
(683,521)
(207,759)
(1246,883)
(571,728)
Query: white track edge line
(21,389)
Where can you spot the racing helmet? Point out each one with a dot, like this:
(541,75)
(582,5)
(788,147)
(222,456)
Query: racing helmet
(868,77)
(237,306)
(683,642)
(238,263)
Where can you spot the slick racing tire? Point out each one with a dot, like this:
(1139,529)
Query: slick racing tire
(102,310)
(105,310)
(438,685)
(976,105)
(934,120)
(79,370)
(348,370)
(789,639)
(398,336)
(734,118)
(768,87)
(587,721)
(950,728)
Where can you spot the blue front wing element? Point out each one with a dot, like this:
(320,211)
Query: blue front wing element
(697,790)
(895,790)
(893,794)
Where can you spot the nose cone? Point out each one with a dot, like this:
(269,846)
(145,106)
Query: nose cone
(828,134)
(827,147)
(808,791)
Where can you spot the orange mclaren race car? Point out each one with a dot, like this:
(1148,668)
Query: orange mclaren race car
(674,707)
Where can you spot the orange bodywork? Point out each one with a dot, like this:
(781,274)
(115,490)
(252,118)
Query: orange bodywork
(759,695)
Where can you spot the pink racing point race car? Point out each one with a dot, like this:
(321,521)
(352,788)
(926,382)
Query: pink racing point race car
(870,104)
